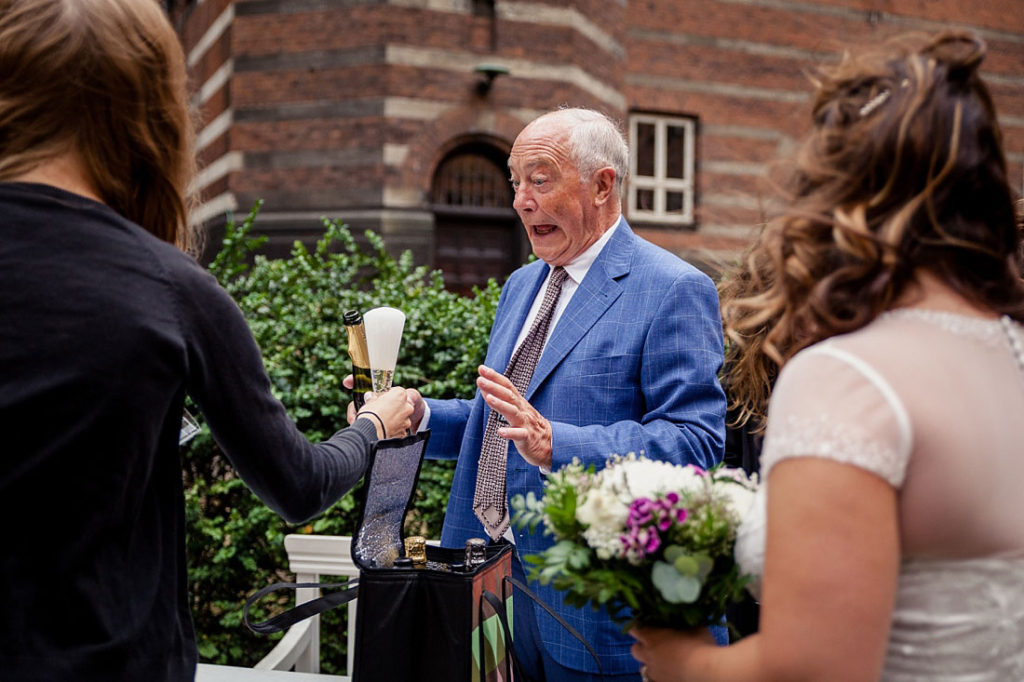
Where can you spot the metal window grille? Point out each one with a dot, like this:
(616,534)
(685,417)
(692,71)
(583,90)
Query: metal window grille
(471,180)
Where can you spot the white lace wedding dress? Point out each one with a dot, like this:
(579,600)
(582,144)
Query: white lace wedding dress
(934,404)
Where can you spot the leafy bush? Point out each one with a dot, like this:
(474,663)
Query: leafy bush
(294,307)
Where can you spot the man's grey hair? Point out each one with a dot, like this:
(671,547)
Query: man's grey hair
(596,141)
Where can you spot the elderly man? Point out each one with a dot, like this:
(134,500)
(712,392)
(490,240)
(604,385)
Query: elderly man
(608,344)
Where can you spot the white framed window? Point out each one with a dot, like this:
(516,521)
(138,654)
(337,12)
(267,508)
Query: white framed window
(661,169)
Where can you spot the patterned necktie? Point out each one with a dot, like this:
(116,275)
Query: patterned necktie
(489,503)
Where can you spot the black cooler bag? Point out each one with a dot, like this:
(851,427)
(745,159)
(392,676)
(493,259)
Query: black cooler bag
(426,624)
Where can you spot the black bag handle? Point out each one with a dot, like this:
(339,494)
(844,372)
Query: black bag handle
(509,580)
(314,607)
(510,656)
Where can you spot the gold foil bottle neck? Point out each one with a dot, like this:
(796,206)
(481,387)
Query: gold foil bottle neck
(416,549)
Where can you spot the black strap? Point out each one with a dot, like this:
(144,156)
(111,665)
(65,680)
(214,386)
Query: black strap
(314,607)
(509,580)
(506,632)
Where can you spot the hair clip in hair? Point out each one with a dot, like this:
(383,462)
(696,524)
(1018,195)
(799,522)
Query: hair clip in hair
(873,103)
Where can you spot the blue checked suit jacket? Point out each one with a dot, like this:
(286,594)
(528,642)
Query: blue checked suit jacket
(631,366)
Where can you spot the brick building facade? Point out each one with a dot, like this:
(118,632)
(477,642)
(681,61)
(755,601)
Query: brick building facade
(397,115)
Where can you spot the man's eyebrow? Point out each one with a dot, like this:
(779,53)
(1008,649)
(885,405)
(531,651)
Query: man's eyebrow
(531,165)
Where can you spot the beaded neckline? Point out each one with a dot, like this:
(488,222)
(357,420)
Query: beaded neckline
(987,330)
(1013,338)
(992,331)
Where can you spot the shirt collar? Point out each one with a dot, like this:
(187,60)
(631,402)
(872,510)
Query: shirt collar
(580,265)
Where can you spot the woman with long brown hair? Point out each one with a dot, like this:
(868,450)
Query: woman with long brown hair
(105,326)
(885,303)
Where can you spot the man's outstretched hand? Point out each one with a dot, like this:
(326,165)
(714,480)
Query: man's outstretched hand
(526,427)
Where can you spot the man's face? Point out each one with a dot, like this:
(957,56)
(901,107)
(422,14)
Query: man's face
(554,203)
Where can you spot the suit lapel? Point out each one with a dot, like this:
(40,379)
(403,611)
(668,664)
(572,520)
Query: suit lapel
(595,294)
(508,325)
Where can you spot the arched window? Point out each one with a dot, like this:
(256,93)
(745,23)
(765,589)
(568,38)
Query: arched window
(477,233)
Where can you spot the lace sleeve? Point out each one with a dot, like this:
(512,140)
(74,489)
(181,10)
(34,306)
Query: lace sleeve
(830,403)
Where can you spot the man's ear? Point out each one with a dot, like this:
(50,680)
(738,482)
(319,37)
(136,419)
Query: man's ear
(602,185)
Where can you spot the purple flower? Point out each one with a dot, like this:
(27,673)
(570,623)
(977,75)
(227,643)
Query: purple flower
(647,521)
(639,511)
(653,542)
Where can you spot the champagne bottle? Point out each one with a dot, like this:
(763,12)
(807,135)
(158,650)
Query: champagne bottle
(361,377)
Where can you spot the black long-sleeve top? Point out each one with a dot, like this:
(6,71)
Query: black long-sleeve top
(103,331)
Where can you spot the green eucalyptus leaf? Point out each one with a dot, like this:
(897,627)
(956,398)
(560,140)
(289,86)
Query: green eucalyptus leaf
(673,552)
(704,566)
(686,565)
(675,587)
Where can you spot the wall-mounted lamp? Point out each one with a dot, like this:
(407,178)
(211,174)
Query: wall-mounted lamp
(489,73)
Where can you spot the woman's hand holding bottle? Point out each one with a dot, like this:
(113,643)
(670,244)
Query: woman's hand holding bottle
(390,412)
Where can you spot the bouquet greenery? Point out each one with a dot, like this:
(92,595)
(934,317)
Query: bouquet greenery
(651,540)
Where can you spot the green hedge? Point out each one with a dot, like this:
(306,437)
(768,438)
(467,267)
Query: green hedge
(294,307)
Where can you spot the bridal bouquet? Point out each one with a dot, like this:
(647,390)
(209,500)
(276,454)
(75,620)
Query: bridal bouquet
(652,541)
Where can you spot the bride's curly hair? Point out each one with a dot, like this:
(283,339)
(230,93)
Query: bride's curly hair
(902,171)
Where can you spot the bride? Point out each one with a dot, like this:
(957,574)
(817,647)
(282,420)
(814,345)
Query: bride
(889,293)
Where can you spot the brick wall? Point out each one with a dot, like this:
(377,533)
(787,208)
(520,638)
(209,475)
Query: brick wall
(345,107)
(738,65)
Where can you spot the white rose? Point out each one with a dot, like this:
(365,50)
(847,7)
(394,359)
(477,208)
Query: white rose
(601,508)
(687,479)
(604,514)
(740,497)
(650,478)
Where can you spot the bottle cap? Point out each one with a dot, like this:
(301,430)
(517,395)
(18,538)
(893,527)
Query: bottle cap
(416,549)
(476,552)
